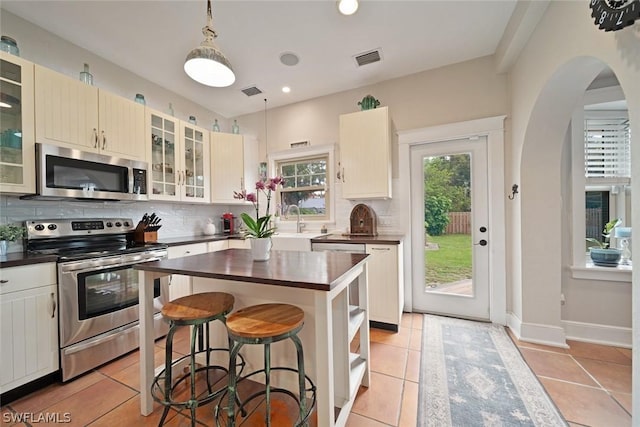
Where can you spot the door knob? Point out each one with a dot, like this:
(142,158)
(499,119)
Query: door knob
(482,243)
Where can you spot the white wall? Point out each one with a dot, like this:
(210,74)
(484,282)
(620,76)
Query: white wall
(547,82)
(455,93)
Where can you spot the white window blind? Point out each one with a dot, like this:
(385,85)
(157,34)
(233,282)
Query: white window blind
(607,148)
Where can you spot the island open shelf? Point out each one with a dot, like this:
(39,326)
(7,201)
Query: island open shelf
(317,282)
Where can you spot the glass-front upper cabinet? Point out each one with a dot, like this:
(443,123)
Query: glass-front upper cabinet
(178,157)
(195,164)
(161,155)
(17,131)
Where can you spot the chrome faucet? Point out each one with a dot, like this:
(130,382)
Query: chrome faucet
(299,224)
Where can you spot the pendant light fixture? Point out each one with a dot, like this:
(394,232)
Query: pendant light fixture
(347,7)
(206,64)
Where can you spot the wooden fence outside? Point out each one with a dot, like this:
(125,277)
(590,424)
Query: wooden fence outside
(459,223)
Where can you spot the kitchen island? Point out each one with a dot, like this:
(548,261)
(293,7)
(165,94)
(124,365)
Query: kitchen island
(317,282)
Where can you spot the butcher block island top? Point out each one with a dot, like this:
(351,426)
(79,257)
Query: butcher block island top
(319,271)
(317,282)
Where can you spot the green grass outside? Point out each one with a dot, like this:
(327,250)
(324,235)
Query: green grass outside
(450,263)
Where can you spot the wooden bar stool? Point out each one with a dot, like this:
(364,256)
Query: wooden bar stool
(266,324)
(196,311)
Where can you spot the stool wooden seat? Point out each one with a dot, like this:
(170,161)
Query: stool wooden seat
(198,307)
(265,324)
(196,311)
(265,320)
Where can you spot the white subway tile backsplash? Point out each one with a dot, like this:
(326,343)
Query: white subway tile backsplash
(388,210)
(180,219)
(177,219)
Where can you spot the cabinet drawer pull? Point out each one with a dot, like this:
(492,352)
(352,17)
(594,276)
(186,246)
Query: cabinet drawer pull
(4,281)
(95,138)
(104,140)
(380,249)
(53,305)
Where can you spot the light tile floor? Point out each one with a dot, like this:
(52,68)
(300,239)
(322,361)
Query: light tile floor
(590,384)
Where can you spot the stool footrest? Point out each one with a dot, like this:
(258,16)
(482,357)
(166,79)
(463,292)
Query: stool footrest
(158,389)
(158,394)
(220,411)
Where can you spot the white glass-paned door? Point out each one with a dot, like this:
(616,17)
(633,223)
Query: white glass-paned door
(450,247)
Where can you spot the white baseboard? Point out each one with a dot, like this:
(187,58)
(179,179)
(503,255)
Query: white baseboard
(535,333)
(598,334)
(514,323)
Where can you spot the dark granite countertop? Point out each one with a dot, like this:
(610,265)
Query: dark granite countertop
(186,240)
(381,239)
(319,271)
(15,259)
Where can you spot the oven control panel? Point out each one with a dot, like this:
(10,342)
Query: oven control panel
(87,225)
(54,228)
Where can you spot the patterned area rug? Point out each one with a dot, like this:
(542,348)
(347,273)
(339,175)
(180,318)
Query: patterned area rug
(471,374)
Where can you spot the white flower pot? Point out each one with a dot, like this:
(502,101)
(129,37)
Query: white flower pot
(261,249)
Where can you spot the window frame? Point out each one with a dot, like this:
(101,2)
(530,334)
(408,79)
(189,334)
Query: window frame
(300,154)
(581,267)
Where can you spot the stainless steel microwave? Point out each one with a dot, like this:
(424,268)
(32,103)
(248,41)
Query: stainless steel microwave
(69,173)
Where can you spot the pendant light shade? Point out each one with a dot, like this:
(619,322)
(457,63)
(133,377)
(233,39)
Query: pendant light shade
(206,64)
(347,7)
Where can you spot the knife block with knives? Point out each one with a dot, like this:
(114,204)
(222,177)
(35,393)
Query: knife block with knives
(147,229)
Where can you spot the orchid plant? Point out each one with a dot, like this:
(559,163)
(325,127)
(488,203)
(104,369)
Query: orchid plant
(259,227)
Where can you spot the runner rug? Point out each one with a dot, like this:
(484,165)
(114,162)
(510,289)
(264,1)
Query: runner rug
(472,374)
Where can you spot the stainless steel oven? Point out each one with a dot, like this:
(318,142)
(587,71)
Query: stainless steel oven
(97,288)
(99,308)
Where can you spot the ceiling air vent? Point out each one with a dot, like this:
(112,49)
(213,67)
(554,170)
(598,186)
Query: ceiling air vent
(251,90)
(368,57)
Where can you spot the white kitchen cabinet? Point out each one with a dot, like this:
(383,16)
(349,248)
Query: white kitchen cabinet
(76,115)
(239,244)
(178,156)
(180,286)
(29,324)
(122,126)
(17,128)
(365,154)
(227,167)
(386,284)
(218,245)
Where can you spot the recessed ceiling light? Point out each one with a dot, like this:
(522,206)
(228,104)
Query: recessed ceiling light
(286,89)
(289,58)
(347,7)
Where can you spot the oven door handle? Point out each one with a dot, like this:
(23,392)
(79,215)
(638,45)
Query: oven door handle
(77,269)
(83,269)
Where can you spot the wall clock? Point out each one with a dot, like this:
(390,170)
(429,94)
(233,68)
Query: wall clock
(613,15)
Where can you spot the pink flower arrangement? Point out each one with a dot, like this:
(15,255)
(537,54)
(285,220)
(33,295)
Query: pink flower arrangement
(259,228)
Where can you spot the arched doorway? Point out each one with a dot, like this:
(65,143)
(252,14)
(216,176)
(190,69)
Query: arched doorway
(544,207)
